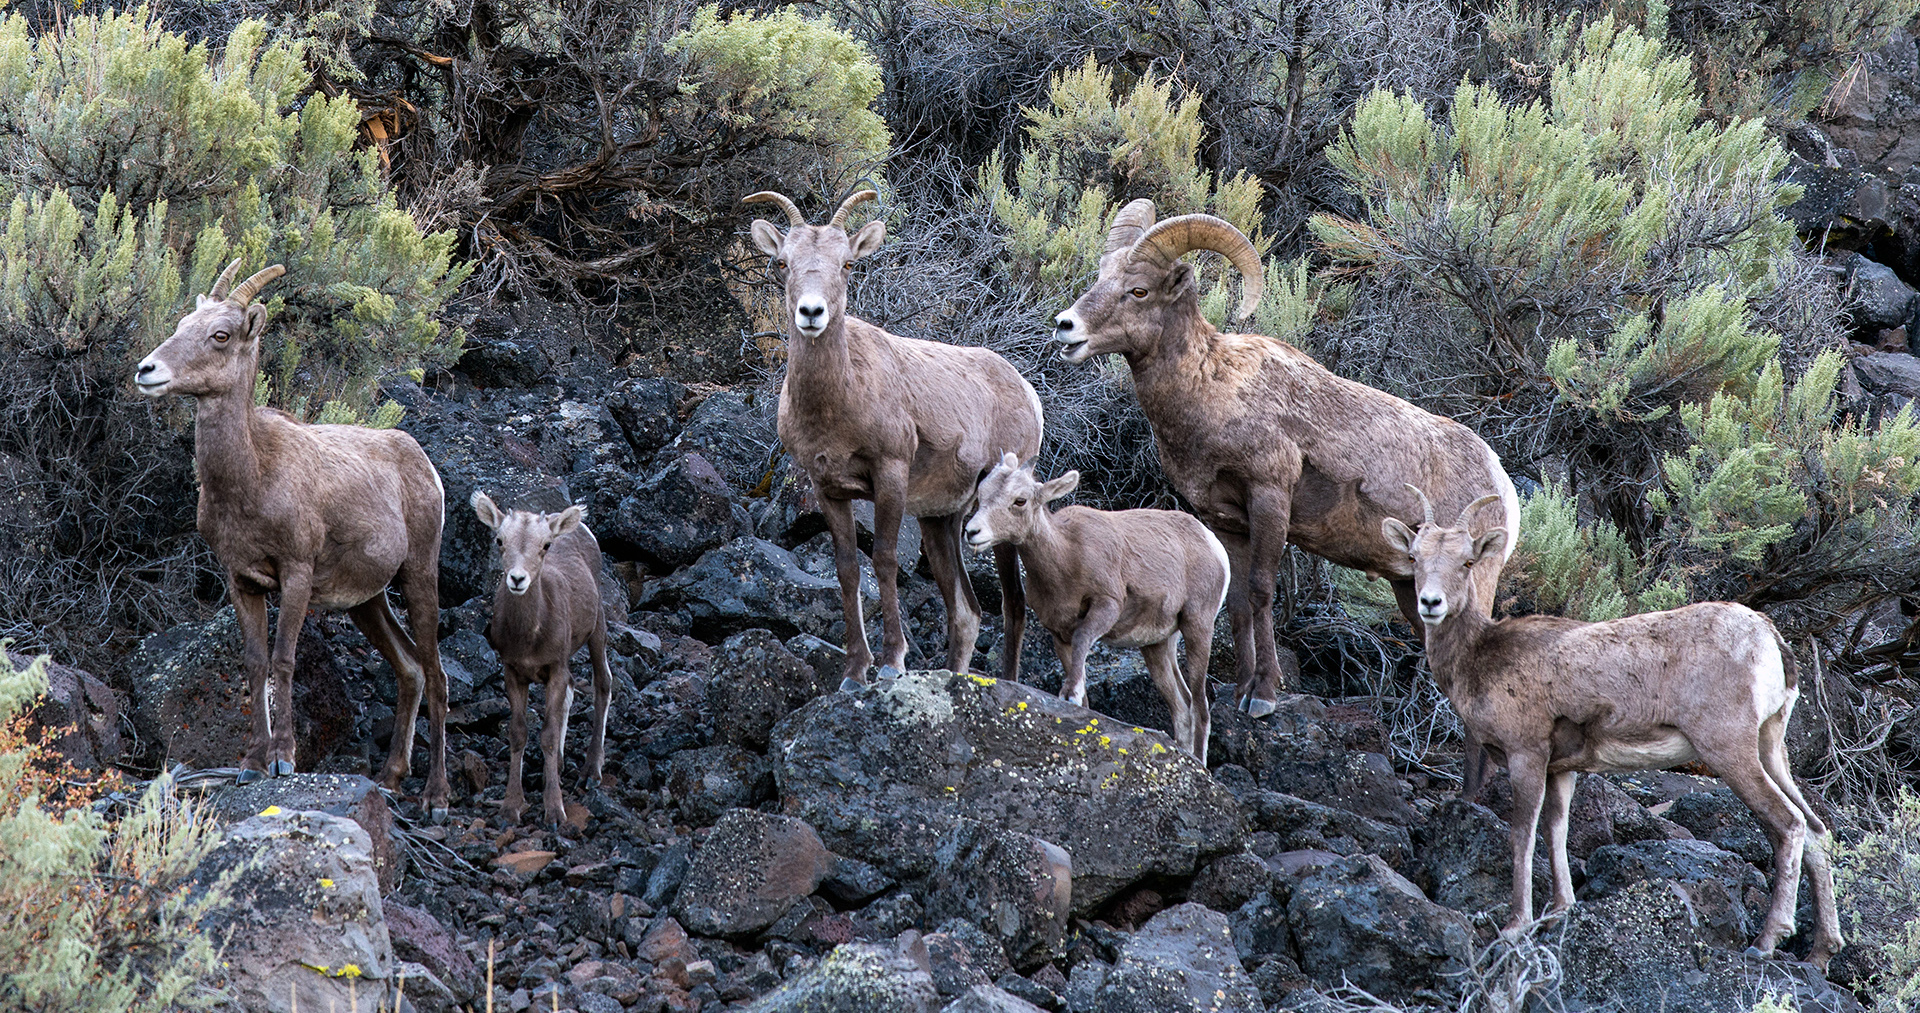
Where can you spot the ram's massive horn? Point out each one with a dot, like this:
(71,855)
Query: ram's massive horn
(225,281)
(1128,224)
(839,219)
(244,292)
(1167,241)
(794,217)
(1425,503)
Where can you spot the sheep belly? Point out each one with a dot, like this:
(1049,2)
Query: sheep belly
(1656,752)
(1140,634)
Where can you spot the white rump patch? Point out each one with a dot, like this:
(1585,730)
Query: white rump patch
(1226,568)
(1039,415)
(1509,501)
(1770,692)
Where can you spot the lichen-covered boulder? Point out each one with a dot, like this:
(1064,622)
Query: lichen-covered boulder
(861,978)
(1014,886)
(751,870)
(348,795)
(1182,961)
(886,772)
(755,682)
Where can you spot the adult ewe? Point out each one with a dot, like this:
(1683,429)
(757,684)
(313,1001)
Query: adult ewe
(1267,445)
(908,424)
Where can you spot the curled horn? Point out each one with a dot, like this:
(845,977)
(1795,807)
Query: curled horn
(839,219)
(1135,218)
(1169,240)
(794,217)
(1492,497)
(1425,503)
(225,281)
(244,292)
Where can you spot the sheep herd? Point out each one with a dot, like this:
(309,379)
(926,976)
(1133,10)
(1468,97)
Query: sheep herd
(1266,445)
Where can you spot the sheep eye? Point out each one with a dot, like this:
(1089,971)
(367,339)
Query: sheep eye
(849,265)
(1022,501)
(220,337)
(1138,293)
(780,264)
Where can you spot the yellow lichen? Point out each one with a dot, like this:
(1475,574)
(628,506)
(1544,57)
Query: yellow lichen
(272,810)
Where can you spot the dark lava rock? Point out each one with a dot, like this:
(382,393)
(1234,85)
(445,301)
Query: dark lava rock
(1183,960)
(953,962)
(83,712)
(1260,929)
(860,978)
(1603,813)
(755,682)
(1014,885)
(1031,993)
(852,882)
(676,514)
(1720,817)
(1880,298)
(750,871)
(1466,857)
(734,431)
(347,795)
(750,582)
(1889,373)
(887,772)
(1315,749)
(648,411)
(989,999)
(1229,881)
(1296,824)
(419,937)
(1359,920)
(707,782)
(1727,896)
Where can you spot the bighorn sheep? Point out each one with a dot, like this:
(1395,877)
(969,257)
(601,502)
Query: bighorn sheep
(326,515)
(1132,578)
(908,424)
(1267,445)
(1550,697)
(547,607)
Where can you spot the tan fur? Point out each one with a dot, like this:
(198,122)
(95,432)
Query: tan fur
(1270,447)
(546,608)
(1131,578)
(908,424)
(1551,697)
(328,516)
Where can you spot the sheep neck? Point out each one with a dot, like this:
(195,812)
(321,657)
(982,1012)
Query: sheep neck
(224,452)
(518,619)
(1451,644)
(1042,543)
(822,362)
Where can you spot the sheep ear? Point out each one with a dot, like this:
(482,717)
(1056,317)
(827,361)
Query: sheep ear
(1489,543)
(1010,460)
(256,320)
(1177,276)
(484,509)
(1397,534)
(869,238)
(566,520)
(1060,487)
(767,237)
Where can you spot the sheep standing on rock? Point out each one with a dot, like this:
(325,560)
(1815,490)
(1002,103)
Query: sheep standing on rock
(1131,578)
(1550,697)
(326,515)
(1266,444)
(547,607)
(908,424)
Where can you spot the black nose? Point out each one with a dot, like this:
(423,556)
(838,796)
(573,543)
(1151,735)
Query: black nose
(1430,603)
(145,368)
(1063,325)
(812,311)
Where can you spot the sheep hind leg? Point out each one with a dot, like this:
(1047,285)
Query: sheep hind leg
(1827,939)
(1197,633)
(602,703)
(377,622)
(940,540)
(1739,765)
(1166,677)
(1240,616)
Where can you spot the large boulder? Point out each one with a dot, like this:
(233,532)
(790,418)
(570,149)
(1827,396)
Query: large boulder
(734,430)
(1880,298)
(707,782)
(1727,897)
(887,772)
(1466,859)
(1889,373)
(1357,920)
(648,410)
(751,870)
(1182,961)
(346,795)
(676,514)
(861,978)
(1329,751)
(1720,817)
(755,682)
(81,711)
(1013,885)
(746,583)
(1282,822)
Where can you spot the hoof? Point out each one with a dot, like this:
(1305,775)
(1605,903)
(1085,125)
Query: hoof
(280,768)
(249,776)
(850,685)
(889,672)
(1259,708)
(437,815)
(1754,952)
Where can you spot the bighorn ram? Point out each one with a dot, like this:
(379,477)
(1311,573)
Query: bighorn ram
(1132,578)
(908,424)
(1550,697)
(1266,444)
(326,515)
(546,608)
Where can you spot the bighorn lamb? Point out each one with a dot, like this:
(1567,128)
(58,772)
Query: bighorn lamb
(326,515)
(908,424)
(546,608)
(1550,697)
(1132,578)
(1266,444)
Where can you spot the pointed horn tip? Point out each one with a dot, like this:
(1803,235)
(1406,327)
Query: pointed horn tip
(846,206)
(244,292)
(1425,503)
(225,281)
(794,217)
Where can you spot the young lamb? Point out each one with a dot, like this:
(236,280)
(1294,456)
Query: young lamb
(1550,697)
(547,606)
(1131,578)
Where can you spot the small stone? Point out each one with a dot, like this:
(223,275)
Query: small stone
(525,864)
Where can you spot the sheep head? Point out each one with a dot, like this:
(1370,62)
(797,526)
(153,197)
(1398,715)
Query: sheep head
(1443,557)
(813,261)
(523,538)
(1144,289)
(1012,502)
(214,348)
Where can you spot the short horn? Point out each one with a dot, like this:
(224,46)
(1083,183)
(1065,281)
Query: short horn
(1128,224)
(858,197)
(225,281)
(1175,237)
(794,217)
(244,292)
(1425,503)
(1492,497)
